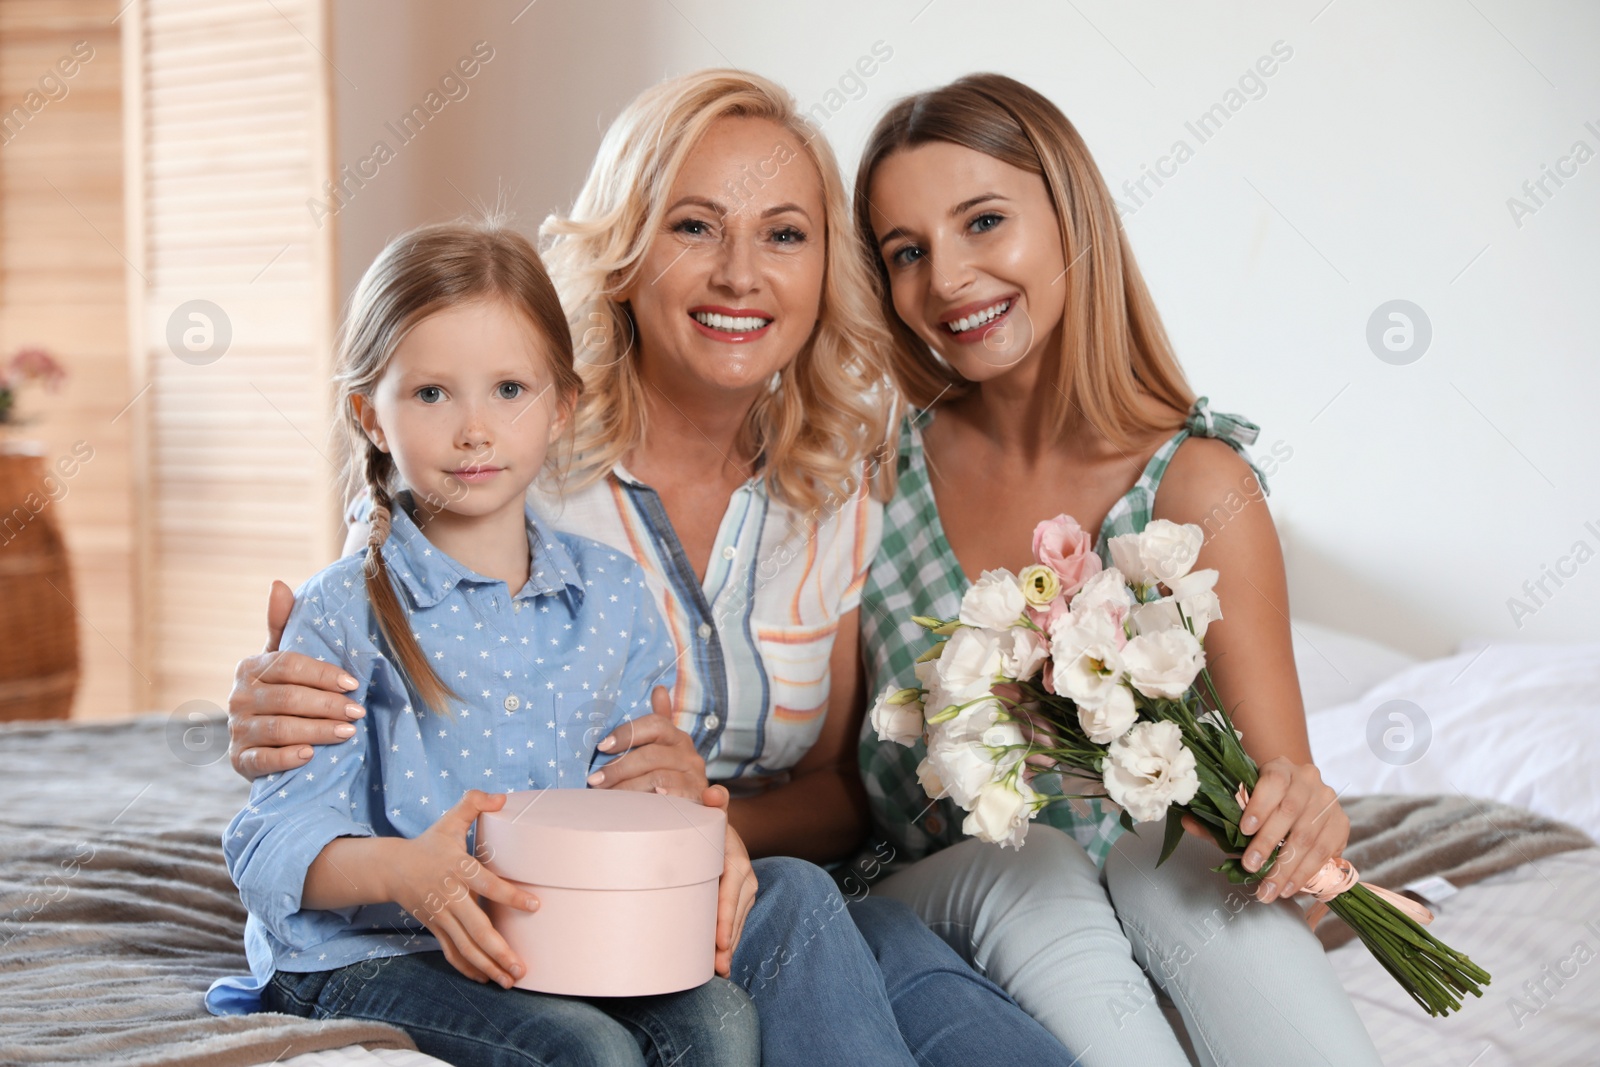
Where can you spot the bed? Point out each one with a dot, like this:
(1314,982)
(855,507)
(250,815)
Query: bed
(116,911)
(1517,724)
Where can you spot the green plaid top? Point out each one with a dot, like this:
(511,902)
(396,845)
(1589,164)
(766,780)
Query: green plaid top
(916,573)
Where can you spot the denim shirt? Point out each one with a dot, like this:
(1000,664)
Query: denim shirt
(541,677)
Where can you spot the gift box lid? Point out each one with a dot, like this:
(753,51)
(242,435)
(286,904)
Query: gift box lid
(602,839)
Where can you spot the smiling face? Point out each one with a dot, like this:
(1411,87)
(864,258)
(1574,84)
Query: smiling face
(730,289)
(974,255)
(467,408)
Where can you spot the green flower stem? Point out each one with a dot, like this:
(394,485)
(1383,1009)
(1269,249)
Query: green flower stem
(1433,974)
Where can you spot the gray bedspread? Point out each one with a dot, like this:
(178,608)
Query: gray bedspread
(1395,840)
(116,911)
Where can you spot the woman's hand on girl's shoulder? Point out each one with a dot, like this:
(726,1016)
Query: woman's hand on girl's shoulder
(284,702)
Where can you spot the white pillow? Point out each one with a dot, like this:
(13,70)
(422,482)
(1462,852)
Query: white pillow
(1336,667)
(1514,723)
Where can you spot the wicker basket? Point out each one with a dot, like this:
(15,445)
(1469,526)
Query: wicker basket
(38,623)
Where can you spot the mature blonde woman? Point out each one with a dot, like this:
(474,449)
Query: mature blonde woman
(733,395)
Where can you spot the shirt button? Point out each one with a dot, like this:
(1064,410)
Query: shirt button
(704,630)
(712,722)
(728,552)
(512,703)
(517,606)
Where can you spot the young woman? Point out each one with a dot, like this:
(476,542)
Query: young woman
(732,391)
(1042,382)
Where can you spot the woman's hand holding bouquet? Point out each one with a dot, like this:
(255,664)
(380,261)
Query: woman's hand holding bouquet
(1100,674)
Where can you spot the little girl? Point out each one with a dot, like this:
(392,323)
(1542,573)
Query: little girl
(505,653)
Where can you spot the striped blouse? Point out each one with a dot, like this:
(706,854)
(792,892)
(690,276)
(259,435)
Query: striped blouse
(754,638)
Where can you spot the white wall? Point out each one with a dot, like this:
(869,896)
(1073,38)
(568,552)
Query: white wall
(1375,164)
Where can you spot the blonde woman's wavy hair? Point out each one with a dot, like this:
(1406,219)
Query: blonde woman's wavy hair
(1114,347)
(828,409)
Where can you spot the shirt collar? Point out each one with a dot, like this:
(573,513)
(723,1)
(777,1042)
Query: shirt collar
(756,481)
(430,575)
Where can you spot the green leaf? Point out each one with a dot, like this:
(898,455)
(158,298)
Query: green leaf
(1174,834)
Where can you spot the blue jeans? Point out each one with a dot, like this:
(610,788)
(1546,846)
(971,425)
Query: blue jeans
(833,986)
(472,1024)
(1084,952)
(948,1013)
(870,983)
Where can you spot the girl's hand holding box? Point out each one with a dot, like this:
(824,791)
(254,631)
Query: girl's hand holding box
(439,882)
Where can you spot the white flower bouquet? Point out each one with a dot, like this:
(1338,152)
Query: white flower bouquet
(1099,674)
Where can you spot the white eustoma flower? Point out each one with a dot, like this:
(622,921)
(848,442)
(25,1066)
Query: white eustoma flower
(1164,663)
(1149,768)
(994,602)
(1006,744)
(1162,552)
(971,722)
(1106,592)
(934,700)
(1111,719)
(1125,558)
(897,720)
(1191,599)
(964,767)
(1021,653)
(969,663)
(1156,616)
(1001,813)
(1086,664)
(1197,598)
(1170,550)
(928,777)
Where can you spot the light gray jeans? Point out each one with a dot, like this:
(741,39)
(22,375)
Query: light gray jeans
(1078,949)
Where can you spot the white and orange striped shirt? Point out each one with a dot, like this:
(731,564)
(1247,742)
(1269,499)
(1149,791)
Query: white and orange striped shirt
(754,638)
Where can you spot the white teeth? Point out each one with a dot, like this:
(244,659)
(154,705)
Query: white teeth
(730,324)
(973,321)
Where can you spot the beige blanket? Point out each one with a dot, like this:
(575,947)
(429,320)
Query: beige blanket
(116,911)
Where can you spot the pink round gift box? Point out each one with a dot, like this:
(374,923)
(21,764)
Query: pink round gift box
(627,889)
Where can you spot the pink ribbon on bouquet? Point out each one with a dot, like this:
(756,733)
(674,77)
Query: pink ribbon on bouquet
(1339,875)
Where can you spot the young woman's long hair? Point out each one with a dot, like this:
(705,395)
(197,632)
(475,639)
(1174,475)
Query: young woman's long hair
(829,408)
(1113,346)
(419,273)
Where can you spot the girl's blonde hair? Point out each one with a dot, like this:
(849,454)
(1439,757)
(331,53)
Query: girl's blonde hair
(1113,346)
(828,408)
(419,273)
